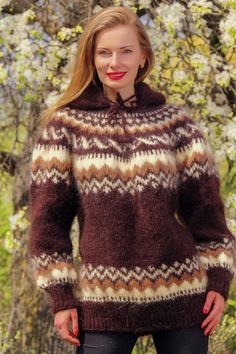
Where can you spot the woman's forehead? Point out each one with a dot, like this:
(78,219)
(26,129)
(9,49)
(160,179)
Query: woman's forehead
(126,36)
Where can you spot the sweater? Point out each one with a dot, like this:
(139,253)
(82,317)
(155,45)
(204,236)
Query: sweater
(143,184)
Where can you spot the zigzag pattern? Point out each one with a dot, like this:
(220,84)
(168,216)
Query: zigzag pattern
(140,285)
(196,171)
(137,273)
(132,186)
(53,175)
(225,243)
(100,118)
(88,143)
(43,260)
(96,123)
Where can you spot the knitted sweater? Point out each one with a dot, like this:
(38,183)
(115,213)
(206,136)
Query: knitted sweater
(144,187)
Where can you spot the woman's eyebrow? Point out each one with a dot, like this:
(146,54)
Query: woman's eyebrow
(120,47)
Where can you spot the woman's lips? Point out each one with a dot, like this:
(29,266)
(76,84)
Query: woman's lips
(116,76)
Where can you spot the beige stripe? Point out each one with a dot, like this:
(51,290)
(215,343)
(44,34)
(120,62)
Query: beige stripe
(56,274)
(61,153)
(141,159)
(221,260)
(195,148)
(124,174)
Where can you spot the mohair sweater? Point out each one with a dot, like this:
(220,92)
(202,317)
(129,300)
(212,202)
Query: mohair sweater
(144,187)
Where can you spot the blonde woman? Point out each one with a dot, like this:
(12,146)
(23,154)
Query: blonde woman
(137,173)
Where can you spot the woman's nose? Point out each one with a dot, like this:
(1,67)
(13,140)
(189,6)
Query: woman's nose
(115,60)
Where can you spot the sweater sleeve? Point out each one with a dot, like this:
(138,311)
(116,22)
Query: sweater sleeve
(200,206)
(53,206)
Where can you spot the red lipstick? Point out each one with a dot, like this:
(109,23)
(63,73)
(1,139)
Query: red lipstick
(116,75)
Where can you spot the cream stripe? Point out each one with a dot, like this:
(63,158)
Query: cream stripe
(190,149)
(54,151)
(57,276)
(114,162)
(222,260)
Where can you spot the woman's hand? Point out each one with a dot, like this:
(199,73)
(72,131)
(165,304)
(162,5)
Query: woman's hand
(214,316)
(61,322)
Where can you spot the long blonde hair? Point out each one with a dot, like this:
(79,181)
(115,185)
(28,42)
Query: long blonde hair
(84,70)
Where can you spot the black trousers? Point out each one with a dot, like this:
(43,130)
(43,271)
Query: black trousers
(189,340)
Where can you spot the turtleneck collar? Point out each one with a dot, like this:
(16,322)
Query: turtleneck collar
(93,98)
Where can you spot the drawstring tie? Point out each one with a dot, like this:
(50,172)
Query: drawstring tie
(119,106)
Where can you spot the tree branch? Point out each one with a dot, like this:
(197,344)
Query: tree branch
(7,162)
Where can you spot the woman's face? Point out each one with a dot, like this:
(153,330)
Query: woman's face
(118,50)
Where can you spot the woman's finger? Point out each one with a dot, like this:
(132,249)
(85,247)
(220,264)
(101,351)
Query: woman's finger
(217,310)
(68,336)
(210,327)
(212,324)
(74,322)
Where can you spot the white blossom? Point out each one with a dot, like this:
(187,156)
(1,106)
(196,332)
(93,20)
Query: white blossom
(173,15)
(201,64)
(227,28)
(18,221)
(200,6)
(145,3)
(216,61)
(196,98)
(229,130)
(179,75)
(223,78)
(214,109)
(51,98)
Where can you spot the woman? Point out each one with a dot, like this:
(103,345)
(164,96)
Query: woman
(156,253)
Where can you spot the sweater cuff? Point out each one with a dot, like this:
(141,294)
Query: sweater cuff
(61,297)
(219,280)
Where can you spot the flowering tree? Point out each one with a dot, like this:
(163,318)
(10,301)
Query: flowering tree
(194,43)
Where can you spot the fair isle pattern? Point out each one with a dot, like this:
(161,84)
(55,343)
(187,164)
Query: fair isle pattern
(43,260)
(125,174)
(217,254)
(50,163)
(62,273)
(195,158)
(52,269)
(96,122)
(153,161)
(141,285)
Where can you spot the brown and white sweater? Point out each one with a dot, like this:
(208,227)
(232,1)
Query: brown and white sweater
(145,189)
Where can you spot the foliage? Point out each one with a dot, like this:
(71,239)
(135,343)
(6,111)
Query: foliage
(194,43)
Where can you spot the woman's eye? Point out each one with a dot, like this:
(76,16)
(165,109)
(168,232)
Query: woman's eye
(103,52)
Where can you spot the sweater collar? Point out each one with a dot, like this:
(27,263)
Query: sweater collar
(93,98)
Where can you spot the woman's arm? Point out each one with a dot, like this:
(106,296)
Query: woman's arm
(53,206)
(200,205)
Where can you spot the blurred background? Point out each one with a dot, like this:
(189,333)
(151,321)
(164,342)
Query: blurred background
(195,49)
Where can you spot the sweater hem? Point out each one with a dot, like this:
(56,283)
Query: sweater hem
(144,318)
